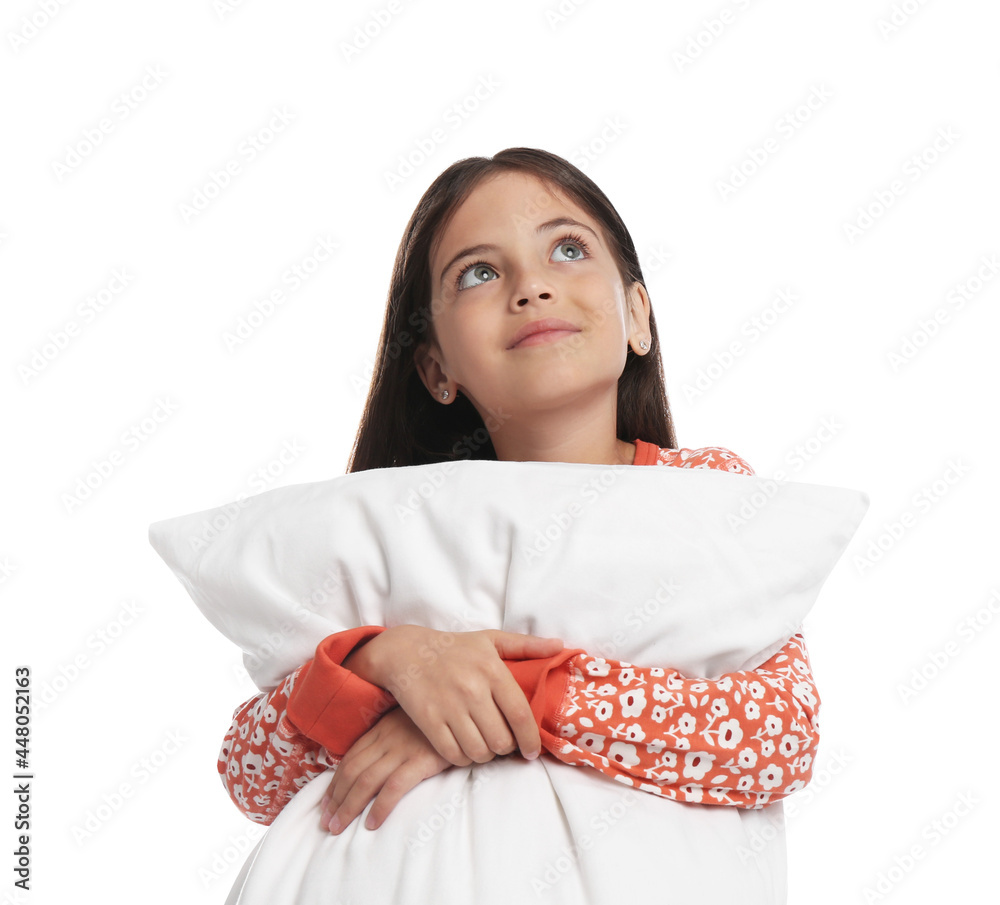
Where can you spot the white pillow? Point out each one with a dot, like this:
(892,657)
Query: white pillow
(702,570)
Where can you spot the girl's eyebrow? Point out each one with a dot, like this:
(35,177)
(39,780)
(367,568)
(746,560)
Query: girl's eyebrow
(542,227)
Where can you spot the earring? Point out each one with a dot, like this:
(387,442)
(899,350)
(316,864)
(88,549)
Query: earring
(644,345)
(444,395)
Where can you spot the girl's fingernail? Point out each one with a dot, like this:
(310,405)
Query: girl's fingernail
(370,821)
(531,755)
(335,826)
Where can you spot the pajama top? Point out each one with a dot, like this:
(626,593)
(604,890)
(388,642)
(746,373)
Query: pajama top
(744,739)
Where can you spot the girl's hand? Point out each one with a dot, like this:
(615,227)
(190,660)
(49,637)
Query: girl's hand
(387,761)
(456,687)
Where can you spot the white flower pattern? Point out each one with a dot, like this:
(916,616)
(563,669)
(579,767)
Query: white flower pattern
(749,777)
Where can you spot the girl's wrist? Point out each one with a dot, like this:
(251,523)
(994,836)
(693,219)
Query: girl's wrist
(363,662)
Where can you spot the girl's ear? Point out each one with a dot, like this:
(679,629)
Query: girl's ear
(426,359)
(639,308)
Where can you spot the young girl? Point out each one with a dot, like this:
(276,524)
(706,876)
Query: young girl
(518,327)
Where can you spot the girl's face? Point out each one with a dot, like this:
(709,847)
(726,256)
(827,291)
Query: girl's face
(534,263)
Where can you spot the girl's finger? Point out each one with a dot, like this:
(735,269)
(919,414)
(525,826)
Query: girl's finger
(517,714)
(493,728)
(362,791)
(328,794)
(350,769)
(404,778)
(517,646)
(471,740)
(442,739)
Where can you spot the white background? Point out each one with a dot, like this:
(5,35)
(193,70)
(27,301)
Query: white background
(606,87)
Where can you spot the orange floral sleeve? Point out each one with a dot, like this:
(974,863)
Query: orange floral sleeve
(281,739)
(744,739)
(264,759)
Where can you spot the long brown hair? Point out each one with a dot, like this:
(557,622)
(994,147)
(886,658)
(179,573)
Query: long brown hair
(402,423)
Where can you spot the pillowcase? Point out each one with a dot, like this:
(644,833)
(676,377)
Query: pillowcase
(702,570)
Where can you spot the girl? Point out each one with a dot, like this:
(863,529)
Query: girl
(524,332)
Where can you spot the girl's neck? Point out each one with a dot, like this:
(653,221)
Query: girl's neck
(613,452)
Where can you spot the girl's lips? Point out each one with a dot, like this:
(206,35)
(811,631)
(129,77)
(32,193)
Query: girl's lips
(545,336)
(555,325)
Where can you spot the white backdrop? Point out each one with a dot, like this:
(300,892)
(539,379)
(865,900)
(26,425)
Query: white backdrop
(813,192)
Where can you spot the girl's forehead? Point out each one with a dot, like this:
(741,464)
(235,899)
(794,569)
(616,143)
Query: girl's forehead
(504,204)
(526,191)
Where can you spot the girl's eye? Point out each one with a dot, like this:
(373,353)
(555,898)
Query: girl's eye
(471,267)
(583,251)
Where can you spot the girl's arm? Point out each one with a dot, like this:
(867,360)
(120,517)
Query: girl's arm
(744,739)
(279,740)
(264,760)
(266,757)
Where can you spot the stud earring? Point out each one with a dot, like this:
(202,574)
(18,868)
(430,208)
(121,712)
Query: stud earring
(644,345)
(444,395)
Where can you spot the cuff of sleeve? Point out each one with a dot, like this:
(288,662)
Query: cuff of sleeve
(330,704)
(544,685)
